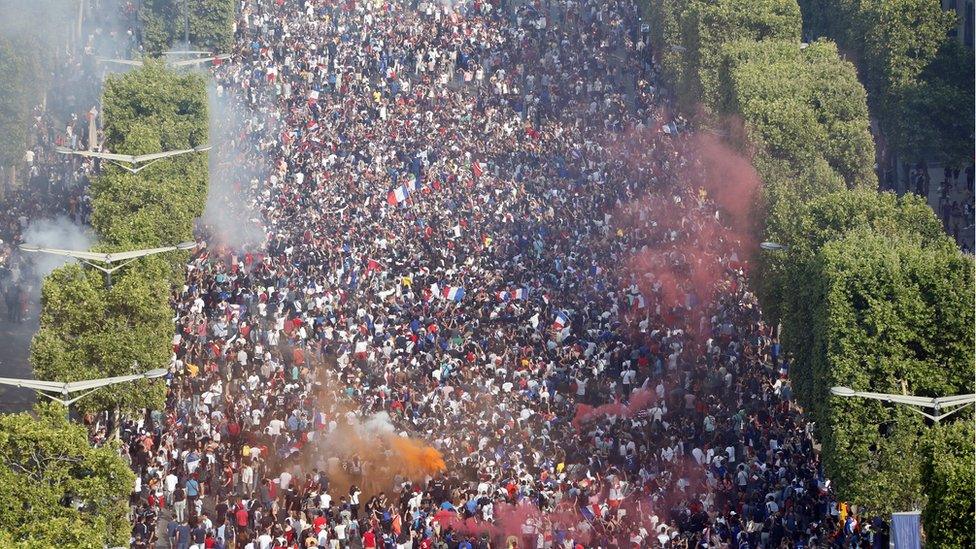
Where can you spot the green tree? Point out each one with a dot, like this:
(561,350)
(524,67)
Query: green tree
(890,315)
(164,24)
(707,26)
(89,332)
(801,105)
(933,119)
(17,94)
(664,20)
(947,477)
(894,43)
(55,489)
(815,223)
(148,110)
(30,37)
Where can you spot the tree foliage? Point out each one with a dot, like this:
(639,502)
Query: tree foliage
(801,105)
(29,39)
(919,78)
(947,479)
(708,26)
(933,114)
(149,110)
(164,24)
(89,332)
(17,95)
(888,313)
(55,489)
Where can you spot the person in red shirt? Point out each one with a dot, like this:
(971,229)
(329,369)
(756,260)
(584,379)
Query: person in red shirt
(241,517)
(369,539)
(319,523)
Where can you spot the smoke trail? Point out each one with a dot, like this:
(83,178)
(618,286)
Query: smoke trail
(229,215)
(59,232)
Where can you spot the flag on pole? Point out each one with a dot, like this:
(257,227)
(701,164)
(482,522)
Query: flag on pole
(454,293)
(397,195)
(521,293)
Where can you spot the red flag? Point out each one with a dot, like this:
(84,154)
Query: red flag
(476,169)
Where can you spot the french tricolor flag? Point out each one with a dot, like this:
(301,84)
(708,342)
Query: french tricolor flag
(412,183)
(502,295)
(312,125)
(454,293)
(592,511)
(561,320)
(397,195)
(521,293)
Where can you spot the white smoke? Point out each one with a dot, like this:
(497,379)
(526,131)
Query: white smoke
(230,216)
(60,233)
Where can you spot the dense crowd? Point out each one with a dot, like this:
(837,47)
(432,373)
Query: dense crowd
(496,301)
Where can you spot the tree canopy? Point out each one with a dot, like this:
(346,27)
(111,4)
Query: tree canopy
(801,105)
(947,479)
(164,24)
(693,33)
(90,331)
(919,78)
(886,314)
(55,489)
(149,110)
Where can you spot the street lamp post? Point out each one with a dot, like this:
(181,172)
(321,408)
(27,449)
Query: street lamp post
(130,162)
(774,247)
(105,262)
(941,407)
(66,390)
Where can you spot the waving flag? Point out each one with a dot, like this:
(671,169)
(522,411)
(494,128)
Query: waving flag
(312,125)
(477,169)
(670,128)
(502,295)
(521,293)
(454,292)
(397,195)
(561,320)
(412,183)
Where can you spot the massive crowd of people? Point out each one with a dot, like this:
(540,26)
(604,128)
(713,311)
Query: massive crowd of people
(496,301)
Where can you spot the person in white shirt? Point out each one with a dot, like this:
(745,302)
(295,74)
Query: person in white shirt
(265,540)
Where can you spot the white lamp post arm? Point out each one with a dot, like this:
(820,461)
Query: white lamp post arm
(941,407)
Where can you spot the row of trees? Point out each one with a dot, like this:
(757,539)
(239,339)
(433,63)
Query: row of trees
(165,23)
(91,331)
(871,294)
(88,330)
(920,79)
